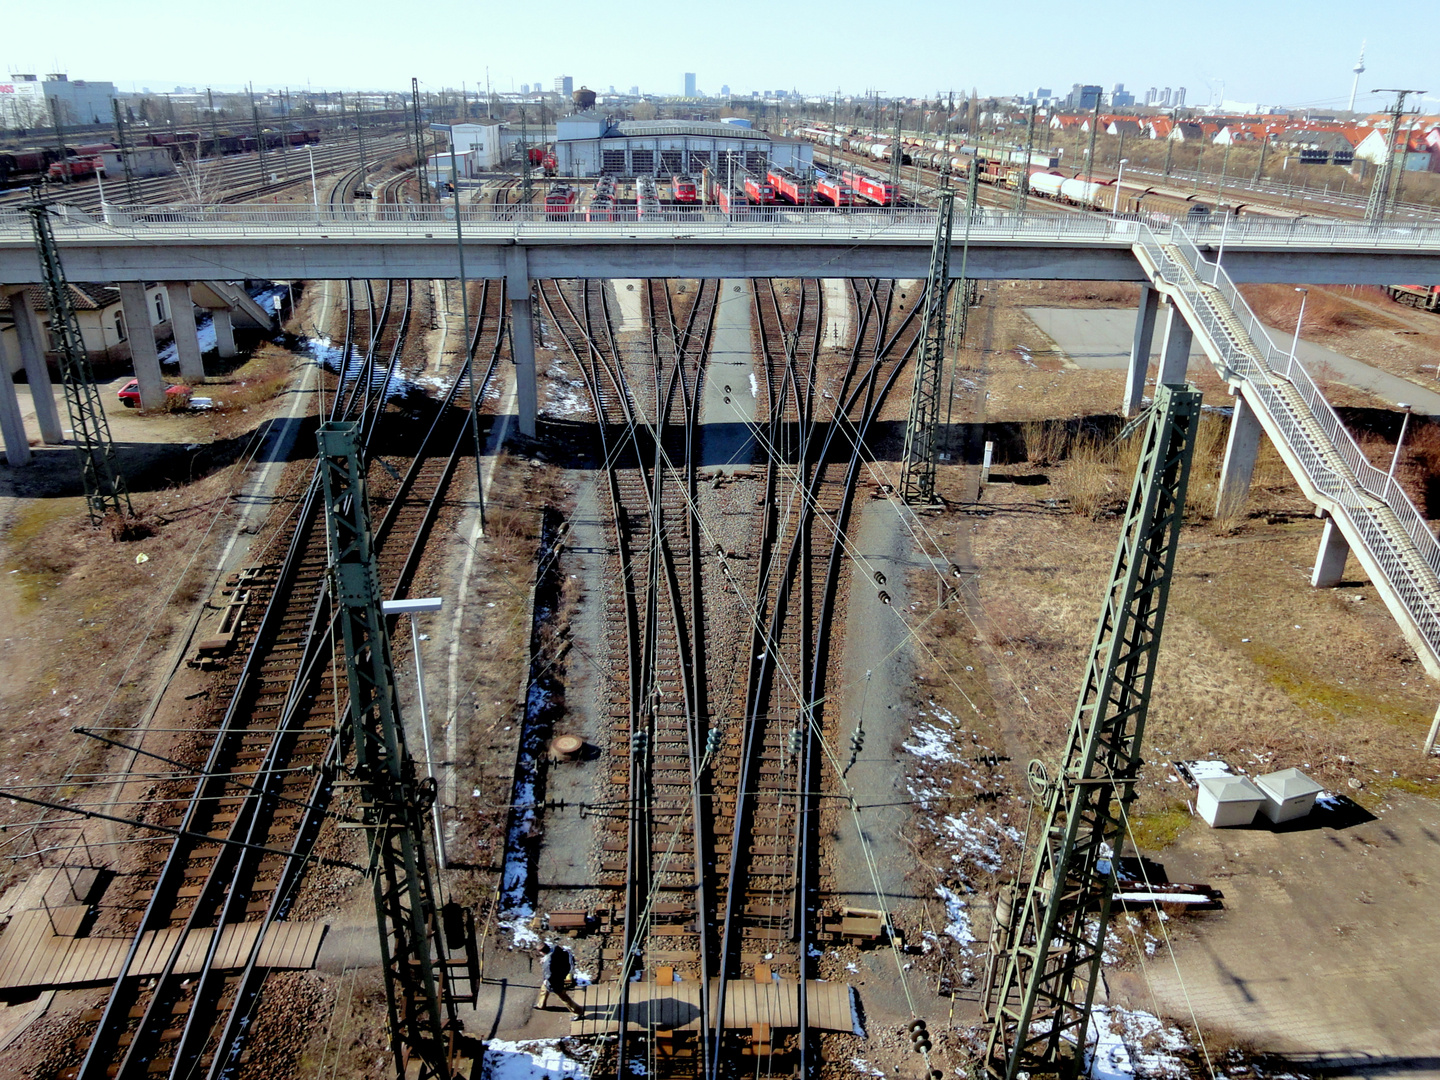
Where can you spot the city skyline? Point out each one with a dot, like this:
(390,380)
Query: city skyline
(958,49)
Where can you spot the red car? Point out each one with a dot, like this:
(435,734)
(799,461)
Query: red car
(129,394)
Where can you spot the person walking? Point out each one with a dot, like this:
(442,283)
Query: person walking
(556,963)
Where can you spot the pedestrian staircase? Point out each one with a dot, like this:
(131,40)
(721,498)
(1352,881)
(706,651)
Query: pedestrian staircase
(1384,529)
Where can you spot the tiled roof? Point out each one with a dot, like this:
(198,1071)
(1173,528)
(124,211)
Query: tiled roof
(83,297)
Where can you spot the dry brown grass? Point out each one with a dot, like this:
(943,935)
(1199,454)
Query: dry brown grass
(262,377)
(1326,313)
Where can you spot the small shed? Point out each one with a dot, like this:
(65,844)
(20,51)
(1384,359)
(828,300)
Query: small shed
(1289,794)
(1228,800)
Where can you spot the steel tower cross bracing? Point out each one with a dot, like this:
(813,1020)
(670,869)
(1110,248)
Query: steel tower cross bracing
(917,481)
(1049,941)
(105,490)
(395,797)
(1381,200)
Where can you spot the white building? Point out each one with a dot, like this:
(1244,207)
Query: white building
(484,141)
(25,101)
(588,144)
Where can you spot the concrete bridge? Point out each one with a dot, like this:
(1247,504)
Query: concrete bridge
(306,242)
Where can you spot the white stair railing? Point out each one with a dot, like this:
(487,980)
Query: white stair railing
(1315,436)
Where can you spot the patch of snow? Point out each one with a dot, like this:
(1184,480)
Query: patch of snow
(754,387)
(1125,1045)
(856,1028)
(930,742)
(864,1068)
(536,1059)
(959,924)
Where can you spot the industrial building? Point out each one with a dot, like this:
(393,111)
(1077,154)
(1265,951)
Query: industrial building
(588,144)
(25,101)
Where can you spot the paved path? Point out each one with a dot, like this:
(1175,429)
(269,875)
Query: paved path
(1099,339)
(730,390)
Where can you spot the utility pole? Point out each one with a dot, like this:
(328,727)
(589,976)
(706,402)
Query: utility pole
(419,142)
(214,133)
(60,140)
(259,135)
(896,155)
(396,800)
(360,138)
(1224,165)
(123,142)
(1264,144)
(834,126)
(917,480)
(527,182)
(1022,189)
(1379,201)
(1049,931)
(1090,151)
(105,491)
(1170,142)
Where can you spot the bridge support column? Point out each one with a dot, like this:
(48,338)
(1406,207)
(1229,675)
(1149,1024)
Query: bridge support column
(141,336)
(182,325)
(37,374)
(1175,353)
(1140,350)
(12,424)
(1241,447)
(1330,562)
(224,333)
(522,337)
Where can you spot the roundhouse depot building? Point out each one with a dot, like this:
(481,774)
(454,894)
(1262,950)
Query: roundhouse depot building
(588,144)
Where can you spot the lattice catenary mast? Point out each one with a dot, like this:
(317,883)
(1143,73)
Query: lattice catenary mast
(1050,931)
(917,480)
(395,797)
(104,486)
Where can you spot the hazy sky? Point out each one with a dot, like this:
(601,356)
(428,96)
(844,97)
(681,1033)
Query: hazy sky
(1283,53)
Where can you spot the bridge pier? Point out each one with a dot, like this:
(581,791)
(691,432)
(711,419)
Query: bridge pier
(1241,446)
(1175,352)
(1140,350)
(141,336)
(1330,561)
(224,332)
(522,337)
(182,325)
(12,424)
(37,374)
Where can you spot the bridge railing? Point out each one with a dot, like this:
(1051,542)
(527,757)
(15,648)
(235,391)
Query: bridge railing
(1274,362)
(797,222)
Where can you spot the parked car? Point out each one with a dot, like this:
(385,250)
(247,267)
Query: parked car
(129,394)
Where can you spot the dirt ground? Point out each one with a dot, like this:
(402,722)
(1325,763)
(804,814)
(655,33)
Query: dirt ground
(1256,668)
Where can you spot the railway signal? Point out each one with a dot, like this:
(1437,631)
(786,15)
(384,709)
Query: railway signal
(1049,933)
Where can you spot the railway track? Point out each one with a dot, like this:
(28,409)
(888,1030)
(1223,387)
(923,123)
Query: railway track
(231,179)
(711,848)
(254,814)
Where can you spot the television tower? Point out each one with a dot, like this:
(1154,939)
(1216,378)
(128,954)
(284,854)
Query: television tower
(1359,70)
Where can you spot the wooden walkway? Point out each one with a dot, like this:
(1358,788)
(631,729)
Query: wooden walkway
(677,1007)
(39,949)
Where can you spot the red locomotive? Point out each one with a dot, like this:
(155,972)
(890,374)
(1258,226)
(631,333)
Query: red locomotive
(602,208)
(683,189)
(870,188)
(730,200)
(77,168)
(790,187)
(560,199)
(759,192)
(835,192)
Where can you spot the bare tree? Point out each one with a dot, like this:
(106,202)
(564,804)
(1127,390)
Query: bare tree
(201,179)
